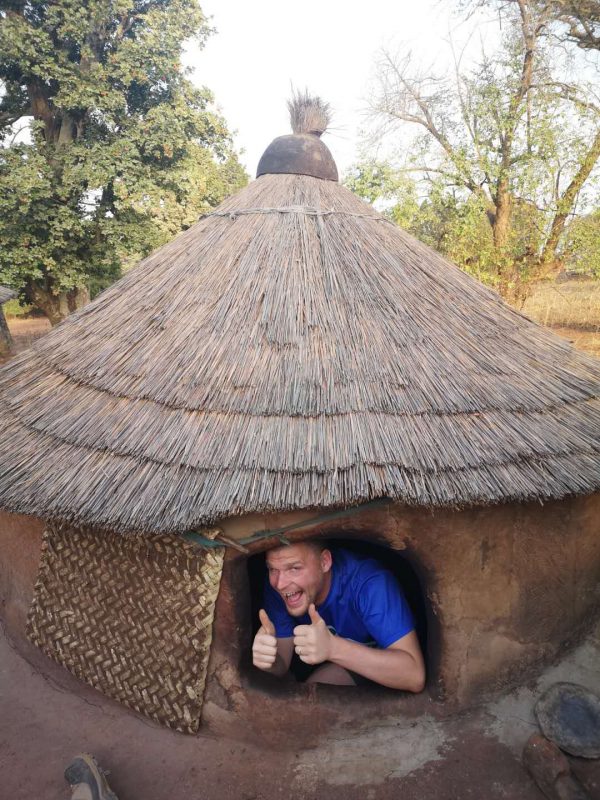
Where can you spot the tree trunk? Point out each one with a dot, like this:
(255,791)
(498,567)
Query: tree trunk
(57,306)
(549,262)
(501,226)
(5,337)
(500,219)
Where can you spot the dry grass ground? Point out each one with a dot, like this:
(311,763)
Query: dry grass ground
(571,309)
(24,332)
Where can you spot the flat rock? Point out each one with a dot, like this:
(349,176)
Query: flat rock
(569,715)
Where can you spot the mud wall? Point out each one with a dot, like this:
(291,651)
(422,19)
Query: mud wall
(507,589)
(20,545)
(511,586)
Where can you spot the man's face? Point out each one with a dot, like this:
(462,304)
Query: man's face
(301,575)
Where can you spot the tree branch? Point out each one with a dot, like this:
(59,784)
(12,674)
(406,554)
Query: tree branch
(410,90)
(566,205)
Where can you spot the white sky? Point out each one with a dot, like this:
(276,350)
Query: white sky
(326,46)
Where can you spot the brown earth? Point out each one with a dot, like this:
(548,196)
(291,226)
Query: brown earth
(24,332)
(48,717)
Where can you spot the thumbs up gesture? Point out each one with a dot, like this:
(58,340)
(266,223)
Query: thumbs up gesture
(313,642)
(264,647)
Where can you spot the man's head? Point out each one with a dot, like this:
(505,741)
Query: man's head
(301,574)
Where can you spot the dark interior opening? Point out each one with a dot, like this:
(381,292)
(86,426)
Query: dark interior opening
(392,560)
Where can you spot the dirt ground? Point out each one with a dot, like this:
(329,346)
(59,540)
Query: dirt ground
(48,716)
(25,330)
(588,341)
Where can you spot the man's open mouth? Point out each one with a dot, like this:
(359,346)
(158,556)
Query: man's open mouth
(293,599)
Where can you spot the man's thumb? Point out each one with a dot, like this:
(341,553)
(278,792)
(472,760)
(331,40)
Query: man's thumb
(314,614)
(266,622)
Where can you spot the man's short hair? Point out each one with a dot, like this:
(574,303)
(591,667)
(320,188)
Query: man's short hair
(318,545)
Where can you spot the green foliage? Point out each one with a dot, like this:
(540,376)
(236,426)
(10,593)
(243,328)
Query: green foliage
(123,151)
(452,222)
(15,309)
(582,246)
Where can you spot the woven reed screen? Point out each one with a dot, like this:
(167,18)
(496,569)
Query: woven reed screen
(131,616)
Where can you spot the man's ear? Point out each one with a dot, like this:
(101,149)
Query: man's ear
(326,560)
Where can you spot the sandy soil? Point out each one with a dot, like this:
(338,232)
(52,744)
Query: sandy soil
(25,331)
(48,716)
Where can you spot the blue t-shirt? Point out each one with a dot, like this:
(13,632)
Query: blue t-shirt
(365,603)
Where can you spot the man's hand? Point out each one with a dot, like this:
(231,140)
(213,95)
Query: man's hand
(264,647)
(313,642)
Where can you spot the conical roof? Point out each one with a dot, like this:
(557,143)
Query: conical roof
(293,349)
(6,294)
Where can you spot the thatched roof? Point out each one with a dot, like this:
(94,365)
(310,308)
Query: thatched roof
(293,349)
(6,294)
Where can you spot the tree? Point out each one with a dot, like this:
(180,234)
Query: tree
(451,222)
(582,18)
(582,250)
(509,132)
(5,337)
(109,149)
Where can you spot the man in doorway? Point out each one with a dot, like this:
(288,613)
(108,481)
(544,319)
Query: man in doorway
(342,614)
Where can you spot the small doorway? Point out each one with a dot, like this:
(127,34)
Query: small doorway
(393,560)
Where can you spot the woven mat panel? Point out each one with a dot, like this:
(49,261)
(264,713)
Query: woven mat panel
(131,616)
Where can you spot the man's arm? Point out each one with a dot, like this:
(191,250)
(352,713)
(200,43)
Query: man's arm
(269,653)
(400,666)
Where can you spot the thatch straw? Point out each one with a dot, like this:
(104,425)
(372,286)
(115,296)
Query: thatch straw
(293,350)
(309,114)
(6,294)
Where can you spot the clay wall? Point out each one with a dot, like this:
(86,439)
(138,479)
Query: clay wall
(20,545)
(511,586)
(507,589)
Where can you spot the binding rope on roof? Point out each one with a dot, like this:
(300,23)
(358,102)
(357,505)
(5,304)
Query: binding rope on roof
(219,539)
(309,212)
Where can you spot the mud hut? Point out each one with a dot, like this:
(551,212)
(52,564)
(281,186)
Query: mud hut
(5,337)
(295,365)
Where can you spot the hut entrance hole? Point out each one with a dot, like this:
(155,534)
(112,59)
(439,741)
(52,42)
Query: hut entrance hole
(392,560)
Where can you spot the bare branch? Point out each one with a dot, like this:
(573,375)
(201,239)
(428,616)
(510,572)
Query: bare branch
(406,100)
(571,93)
(582,18)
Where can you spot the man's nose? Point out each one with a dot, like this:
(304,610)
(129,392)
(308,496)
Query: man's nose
(282,581)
